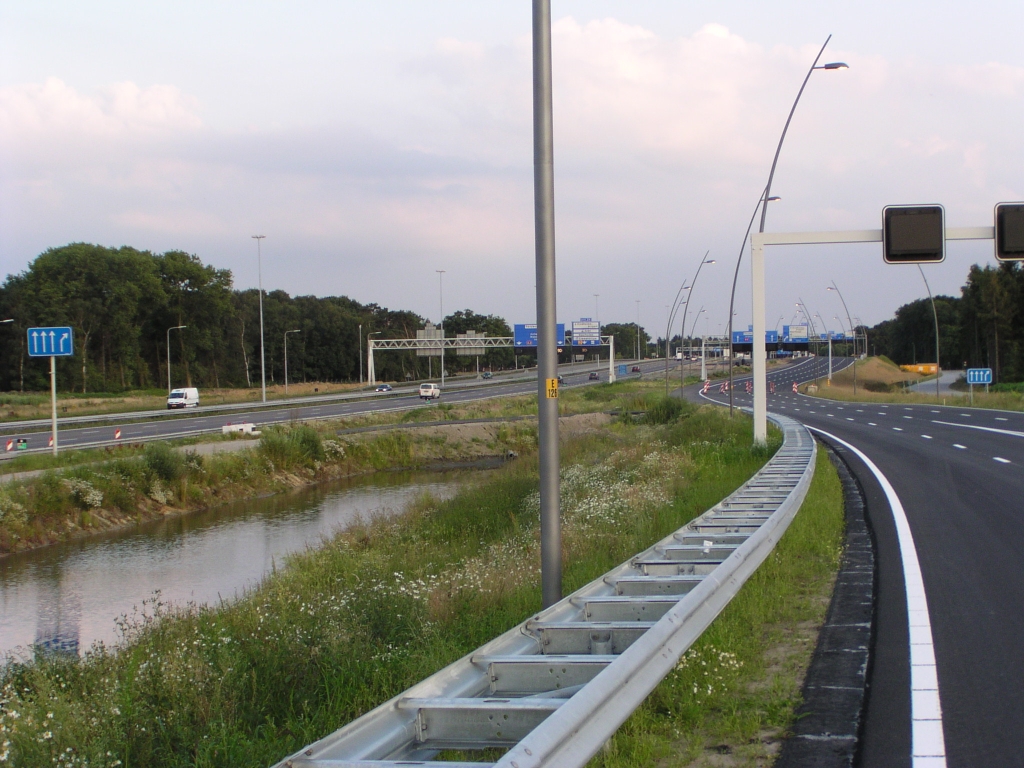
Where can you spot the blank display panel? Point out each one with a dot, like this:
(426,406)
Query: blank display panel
(1010,231)
(913,234)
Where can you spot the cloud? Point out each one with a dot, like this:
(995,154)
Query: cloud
(119,111)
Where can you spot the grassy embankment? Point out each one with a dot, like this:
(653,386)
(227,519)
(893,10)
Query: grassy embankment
(881,381)
(379,607)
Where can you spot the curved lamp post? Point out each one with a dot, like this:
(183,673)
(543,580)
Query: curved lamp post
(935,315)
(263,348)
(668,331)
(766,195)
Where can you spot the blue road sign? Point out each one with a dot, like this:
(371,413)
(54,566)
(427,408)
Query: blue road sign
(526,334)
(47,342)
(979,375)
(622,370)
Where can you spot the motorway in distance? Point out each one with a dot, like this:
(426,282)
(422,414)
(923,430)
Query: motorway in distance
(158,426)
(957,474)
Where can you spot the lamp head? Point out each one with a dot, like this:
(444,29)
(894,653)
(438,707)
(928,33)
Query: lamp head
(836,65)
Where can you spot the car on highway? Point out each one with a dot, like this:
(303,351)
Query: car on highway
(187,397)
(383,388)
(488,375)
(430,391)
(594,376)
(636,369)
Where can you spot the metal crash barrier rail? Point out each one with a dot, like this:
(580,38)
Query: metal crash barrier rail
(555,688)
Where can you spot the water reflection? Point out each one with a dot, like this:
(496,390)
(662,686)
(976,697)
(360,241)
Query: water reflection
(66,597)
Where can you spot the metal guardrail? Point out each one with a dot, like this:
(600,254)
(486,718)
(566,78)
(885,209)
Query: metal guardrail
(611,642)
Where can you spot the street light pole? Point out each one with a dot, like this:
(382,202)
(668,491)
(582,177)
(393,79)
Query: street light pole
(263,348)
(757,270)
(547,349)
(638,329)
(175,328)
(360,354)
(297,330)
(935,315)
(704,260)
(440,289)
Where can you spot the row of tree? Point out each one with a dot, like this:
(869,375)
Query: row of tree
(125,304)
(983,327)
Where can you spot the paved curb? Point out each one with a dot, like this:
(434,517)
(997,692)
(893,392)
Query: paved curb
(827,728)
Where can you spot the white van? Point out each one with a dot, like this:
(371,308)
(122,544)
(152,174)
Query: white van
(430,391)
(183,398)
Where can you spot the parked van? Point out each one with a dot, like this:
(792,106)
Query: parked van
(183,398)
(430,391)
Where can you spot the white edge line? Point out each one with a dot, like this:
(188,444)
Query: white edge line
(927,737)
(1010,432)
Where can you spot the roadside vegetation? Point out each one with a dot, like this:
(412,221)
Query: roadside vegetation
(379,606)
(879,380)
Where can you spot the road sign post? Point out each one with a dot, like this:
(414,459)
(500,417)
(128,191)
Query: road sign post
(978,376)
(52,342)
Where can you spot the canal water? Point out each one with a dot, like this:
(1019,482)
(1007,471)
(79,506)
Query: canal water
(67,596)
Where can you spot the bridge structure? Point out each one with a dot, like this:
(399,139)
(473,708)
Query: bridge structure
(461,345)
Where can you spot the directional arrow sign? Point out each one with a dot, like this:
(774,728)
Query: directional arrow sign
(979,375)
(46,342)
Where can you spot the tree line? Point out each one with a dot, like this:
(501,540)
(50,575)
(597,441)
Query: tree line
(122,301)
(981,328)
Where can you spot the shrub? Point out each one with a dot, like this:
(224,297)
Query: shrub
(877,386)
(164,462)
(664,410)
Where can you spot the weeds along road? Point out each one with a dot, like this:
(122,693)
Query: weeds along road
(161,427)
(946,503)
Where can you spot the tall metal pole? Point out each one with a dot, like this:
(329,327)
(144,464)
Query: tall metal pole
(547,350)
(297,330)
(935,315)
(440,290)
(53,400)
(175,328)
(704,260)
(765,199)
(638,329)
(263,348)
(360,353)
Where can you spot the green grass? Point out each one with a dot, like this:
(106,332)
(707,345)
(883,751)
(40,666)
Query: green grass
(348,625)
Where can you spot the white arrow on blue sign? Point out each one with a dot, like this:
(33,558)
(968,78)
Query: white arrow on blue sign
(47,342)
(979,375)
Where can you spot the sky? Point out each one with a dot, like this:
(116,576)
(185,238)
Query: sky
(375,143)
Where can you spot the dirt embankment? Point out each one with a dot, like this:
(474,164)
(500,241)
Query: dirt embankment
(873,375)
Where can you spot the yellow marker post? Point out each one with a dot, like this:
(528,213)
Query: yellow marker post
(552,388)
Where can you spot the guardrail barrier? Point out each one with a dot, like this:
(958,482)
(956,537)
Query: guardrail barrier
(555,688)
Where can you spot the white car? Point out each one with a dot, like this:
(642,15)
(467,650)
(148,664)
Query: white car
(187,397)
(430,391)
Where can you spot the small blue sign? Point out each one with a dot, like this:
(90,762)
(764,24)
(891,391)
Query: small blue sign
(979,375)
(51,342)
(622,370)
(747,337)
(525,335)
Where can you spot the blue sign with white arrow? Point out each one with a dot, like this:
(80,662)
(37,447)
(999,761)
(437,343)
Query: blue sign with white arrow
(51,342)
(979,375)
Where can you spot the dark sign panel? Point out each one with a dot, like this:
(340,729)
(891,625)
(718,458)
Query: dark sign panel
(913,234)
(1010,231)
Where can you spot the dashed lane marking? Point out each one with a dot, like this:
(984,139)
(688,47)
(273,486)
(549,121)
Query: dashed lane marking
(872,424)
(927,437)
(961,447)
(998,418)
(1001,460)
(978,426)
(897,429)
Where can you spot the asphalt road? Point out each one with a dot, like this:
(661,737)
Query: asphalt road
(160,427)
(957,473)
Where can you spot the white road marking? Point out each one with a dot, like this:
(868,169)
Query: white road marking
(967,415)
(1001,460)
(897,429)
(848,418)
(927,437)
(928,743)
(934,411)
(872,424)
(908,417)
(998,418)
(961,447)
(977,426)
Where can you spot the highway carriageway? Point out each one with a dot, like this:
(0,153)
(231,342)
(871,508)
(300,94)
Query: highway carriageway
(157,428)
(944,488)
